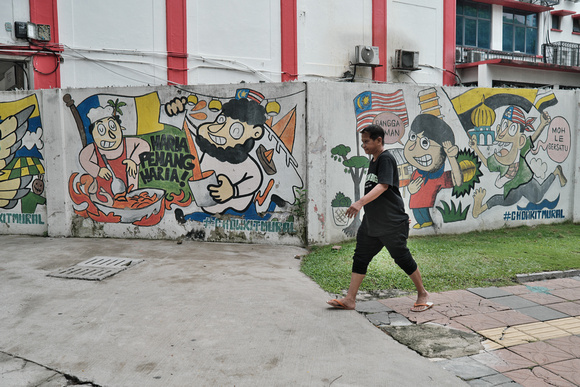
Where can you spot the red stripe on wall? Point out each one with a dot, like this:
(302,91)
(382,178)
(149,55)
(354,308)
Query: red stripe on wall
(449,11)
(46,62)
(289,43)
(380,38)
(176,31)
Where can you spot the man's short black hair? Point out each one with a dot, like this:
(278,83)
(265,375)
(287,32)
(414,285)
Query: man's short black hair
(375,131)
(246,111)
(434,128)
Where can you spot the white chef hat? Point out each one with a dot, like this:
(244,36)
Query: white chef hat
(98,113)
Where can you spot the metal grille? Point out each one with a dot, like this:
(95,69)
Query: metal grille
(96,268)
(464,54)
(562,53)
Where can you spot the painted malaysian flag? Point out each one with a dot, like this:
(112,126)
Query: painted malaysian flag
(370,103)
(250,94)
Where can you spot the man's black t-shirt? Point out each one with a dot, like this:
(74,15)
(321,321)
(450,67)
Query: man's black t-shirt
(386,213)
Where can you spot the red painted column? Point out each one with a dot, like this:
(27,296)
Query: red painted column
(289,40)
(380,38)
(176,31)
(449,11)
(47,61)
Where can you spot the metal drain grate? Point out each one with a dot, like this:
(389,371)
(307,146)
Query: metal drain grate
(96,268)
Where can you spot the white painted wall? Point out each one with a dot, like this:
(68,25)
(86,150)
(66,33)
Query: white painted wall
(416,25)
(332,123)
(565,24)
(13,11)
(233,41)
(328,32)
(266,224)
(114,43)
(308,171)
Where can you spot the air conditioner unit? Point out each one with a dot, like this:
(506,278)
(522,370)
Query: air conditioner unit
(406,60)
(366,55)
(474,56)
(458,55)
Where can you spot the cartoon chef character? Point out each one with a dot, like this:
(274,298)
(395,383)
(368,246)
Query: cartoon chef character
(111,155)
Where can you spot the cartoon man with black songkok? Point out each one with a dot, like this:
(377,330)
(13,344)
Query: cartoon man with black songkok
(515,175)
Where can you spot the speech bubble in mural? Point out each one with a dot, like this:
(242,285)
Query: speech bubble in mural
(392,125)
(557,143)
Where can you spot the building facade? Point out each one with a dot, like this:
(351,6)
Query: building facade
(486,43)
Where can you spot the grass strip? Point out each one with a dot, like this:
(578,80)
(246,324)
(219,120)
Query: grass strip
(459,261)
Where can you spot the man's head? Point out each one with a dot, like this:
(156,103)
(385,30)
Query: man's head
(372,138)
(374,131)
(510,134)
(424,148)
(233,133)
(107,132)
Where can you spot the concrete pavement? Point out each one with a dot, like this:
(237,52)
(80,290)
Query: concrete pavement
(190,314)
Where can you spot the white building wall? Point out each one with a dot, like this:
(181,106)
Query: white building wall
(566,35)
(328,32)
(233,41)
(12,11)
(112,43)
(416,25)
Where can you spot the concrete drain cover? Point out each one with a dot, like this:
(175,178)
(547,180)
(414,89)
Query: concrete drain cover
(96,268)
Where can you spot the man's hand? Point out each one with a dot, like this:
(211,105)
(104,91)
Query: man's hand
(353,209)
(415,185)
(131,167)
(473,142)
(450,150)
(175,106)
(222,192)
(545,119)
(105,173)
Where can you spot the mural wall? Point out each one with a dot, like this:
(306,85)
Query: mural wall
(22,166)
(468,158)
(280,163)
(208,164)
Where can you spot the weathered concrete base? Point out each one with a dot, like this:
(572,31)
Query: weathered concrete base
(436,341)
(521,278)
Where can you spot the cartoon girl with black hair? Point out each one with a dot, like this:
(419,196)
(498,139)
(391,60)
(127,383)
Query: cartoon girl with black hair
(431,141)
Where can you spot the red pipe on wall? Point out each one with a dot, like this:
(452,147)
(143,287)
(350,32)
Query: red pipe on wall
(46,62)
(380,38)
(449,10)
(176,31)
(289,42)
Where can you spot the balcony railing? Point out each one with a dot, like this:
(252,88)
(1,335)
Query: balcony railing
(548,3)
(474,54)
(562,53)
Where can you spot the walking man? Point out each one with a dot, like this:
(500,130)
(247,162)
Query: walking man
(384,224)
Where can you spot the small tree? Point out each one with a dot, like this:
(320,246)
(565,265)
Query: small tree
(116,105)
(355,166)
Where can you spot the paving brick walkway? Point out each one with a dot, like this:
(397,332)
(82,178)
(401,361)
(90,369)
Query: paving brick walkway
(530,332)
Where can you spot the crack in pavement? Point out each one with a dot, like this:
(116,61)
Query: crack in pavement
(71,379)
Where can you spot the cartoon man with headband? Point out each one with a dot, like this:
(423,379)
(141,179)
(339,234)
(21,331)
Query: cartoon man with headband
(515,175)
